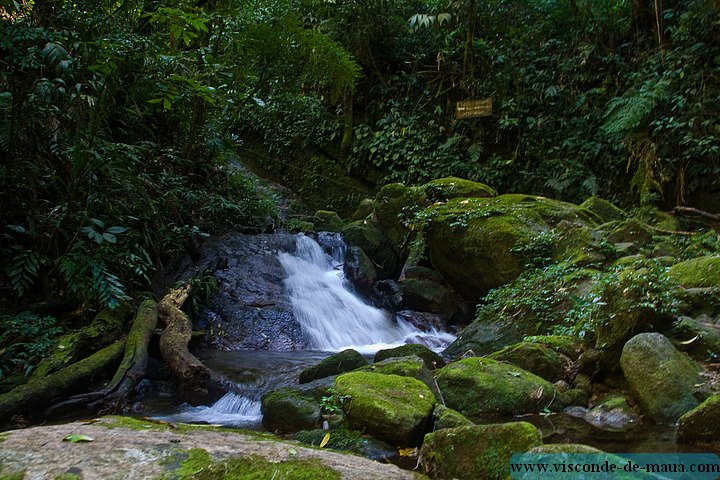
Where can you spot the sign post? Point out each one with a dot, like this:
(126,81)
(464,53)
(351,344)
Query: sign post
(473,108)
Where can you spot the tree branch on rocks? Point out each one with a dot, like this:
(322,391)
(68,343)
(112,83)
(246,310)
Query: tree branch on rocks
(196,383)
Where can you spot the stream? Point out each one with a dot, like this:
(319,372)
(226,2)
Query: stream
(284,304)
(330,318)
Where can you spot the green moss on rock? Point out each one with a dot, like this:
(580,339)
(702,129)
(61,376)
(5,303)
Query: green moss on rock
(257,468)
(479,387)
(604,209)
(536,358)
(661,378)
(571,347)
(287,410)
(341,362)
(565,448)
(394,207)
(327,221)
(701,272)
(445,417)
(443,189)
(432,360)
(476,452)
(478,243)
(389,407)
(701,424)
(367,235)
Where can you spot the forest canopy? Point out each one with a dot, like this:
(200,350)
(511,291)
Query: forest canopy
(121,123)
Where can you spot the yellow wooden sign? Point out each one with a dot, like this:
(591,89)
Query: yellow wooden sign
(481,107)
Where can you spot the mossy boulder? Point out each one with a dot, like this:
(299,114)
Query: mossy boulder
(604,209)
(478,387)
(395,205)
(571,347)
(409,366)
(476,452)
(335,364)
(286,410)
(661,378)
(701,424)
(444,417)
(365,208)
(538,359)
(701,272)
(631,231)
(432,360)
(477,243)
(367,235)
(389,407)
(443,189)
(327,221)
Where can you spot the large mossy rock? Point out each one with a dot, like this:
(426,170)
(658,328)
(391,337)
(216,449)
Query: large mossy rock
(443,189)
(389,407)
(703,333)
(367,235)
(661,378)
(612,413)
(335,364)
(701,272)
(702,424)
(396,204)
(327,221)
(287,410)
(360,271)
(432,360)
(538,359)
(476,243)
(409,366)
(604,209)
(478,387)
(476,452)
(444,417)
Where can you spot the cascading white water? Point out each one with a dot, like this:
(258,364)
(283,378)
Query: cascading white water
(330,313)
(332,316)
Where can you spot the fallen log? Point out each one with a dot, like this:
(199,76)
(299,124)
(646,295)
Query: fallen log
(196,383)
(129,373)
(105,328)
(38,393)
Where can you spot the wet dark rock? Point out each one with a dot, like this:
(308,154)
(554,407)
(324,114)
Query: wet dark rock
(250,309)
(612,412)
(360,271)
(424,321)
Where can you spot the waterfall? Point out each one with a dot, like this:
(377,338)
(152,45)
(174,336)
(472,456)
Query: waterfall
(332,315)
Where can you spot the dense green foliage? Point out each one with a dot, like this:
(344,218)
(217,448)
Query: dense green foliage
(122,127)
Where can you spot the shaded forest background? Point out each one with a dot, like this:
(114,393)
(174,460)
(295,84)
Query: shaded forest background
(122,122)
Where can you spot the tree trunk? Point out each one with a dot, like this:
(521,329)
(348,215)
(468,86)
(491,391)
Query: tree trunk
(348,128)
(106,327)
(37,393)
(131,369)
(197,384)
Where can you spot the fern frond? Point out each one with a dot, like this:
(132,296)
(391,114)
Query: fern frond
(24,270)
(107,287)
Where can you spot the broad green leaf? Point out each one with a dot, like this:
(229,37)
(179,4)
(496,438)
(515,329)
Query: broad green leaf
(78,438)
